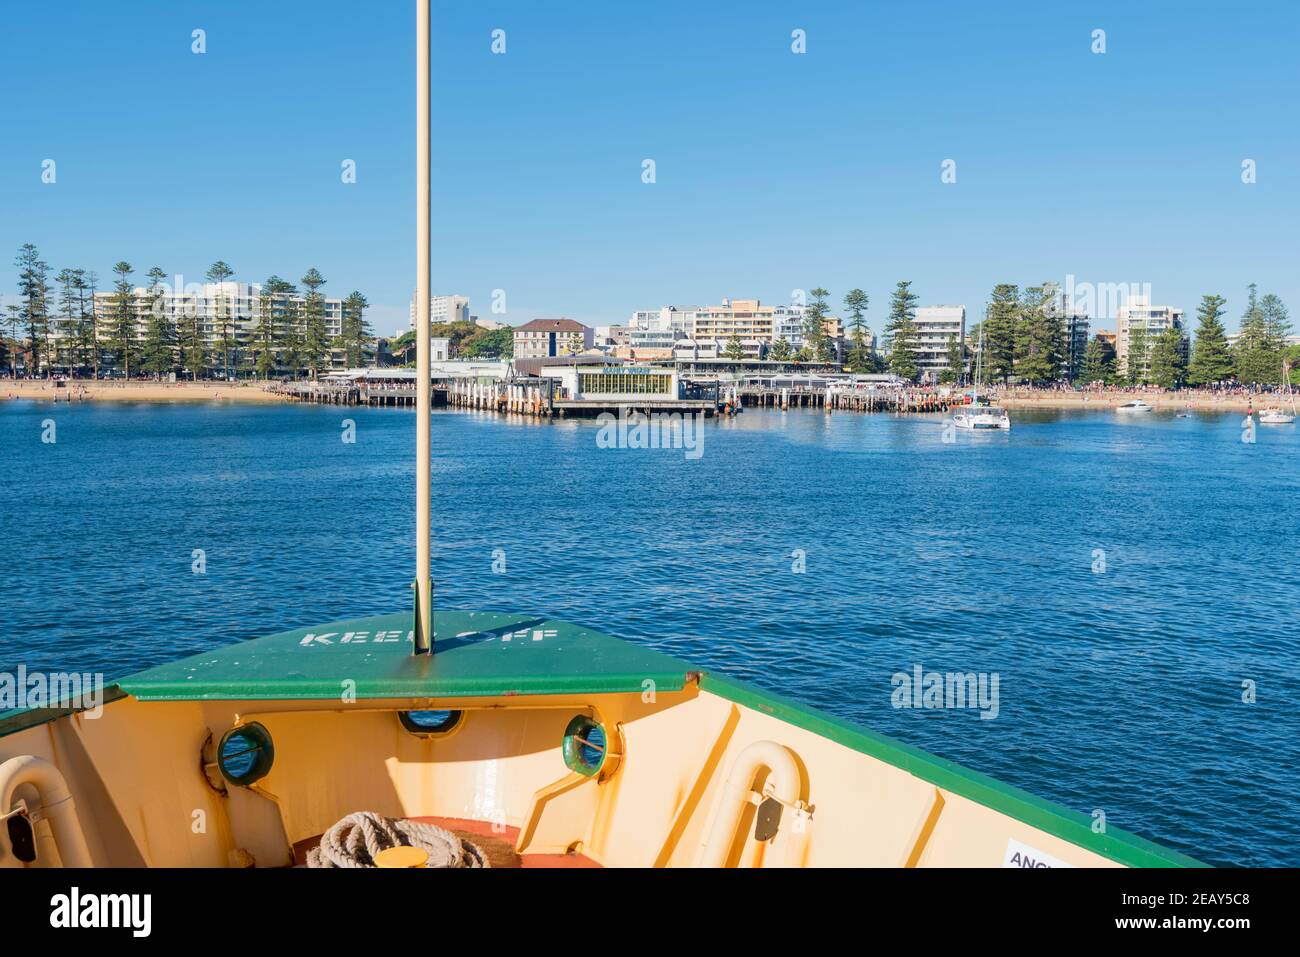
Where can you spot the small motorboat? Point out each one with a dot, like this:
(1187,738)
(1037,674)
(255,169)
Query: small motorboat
(1133,408)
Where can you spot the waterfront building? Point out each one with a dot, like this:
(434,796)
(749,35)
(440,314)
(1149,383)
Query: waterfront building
(619,383)
(1138,313)
(935,325)
(545,338)
(444,309)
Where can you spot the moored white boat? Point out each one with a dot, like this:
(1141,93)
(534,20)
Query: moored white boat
(978,417)
(1135,407)
(1276,415)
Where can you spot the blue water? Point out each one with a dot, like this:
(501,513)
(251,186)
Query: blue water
(1119,690)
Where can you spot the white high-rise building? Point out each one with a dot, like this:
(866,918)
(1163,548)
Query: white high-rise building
(444,309)
(935,326)
(1139,314)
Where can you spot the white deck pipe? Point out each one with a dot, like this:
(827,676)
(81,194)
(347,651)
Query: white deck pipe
(738,793)
(57,805)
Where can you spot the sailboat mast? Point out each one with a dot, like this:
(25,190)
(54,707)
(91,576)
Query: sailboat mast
(423,583)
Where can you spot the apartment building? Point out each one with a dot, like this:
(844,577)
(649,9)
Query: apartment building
(1076,343)
(739,318)
(709,330)
(1138,314)
(665,319)
(1075,325)
(935,326)
(229,318)
(788,324)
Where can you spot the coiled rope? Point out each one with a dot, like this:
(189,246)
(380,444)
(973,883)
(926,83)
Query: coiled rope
(357,840)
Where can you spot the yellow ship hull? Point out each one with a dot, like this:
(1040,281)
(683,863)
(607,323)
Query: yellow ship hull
(709,773)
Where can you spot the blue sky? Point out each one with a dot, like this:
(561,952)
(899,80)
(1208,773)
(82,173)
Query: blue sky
(775,171)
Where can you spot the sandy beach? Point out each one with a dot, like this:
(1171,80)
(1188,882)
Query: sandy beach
(106,391)
(86,390)
(1160,400)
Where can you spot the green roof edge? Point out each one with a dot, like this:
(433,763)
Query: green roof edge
(313,691)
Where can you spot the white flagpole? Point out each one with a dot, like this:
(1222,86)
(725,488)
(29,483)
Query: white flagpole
(423,582)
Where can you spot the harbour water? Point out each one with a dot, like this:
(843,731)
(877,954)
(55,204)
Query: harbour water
(1127,581)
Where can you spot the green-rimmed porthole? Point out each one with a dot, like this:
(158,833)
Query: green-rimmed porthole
(428,724)
(587,747)
(246,754)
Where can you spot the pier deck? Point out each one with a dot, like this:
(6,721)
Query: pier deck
(842,399)
(540,397)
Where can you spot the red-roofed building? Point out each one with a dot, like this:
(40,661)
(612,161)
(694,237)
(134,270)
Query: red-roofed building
(547,338)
